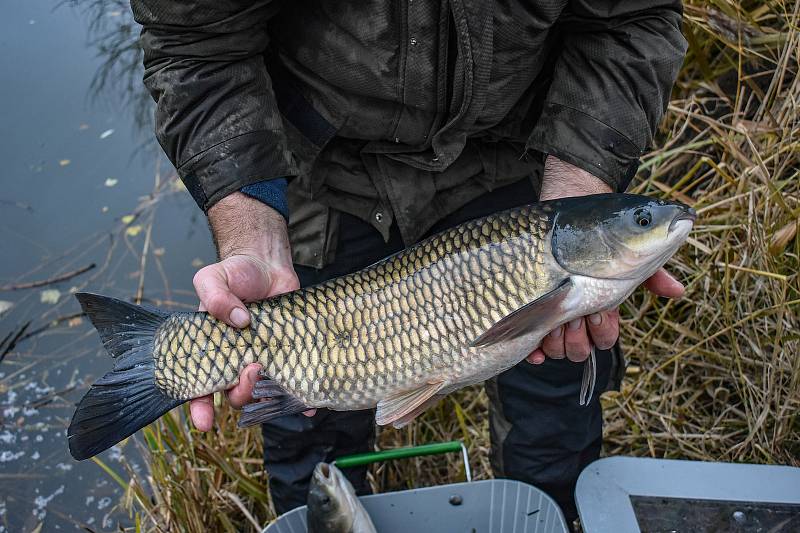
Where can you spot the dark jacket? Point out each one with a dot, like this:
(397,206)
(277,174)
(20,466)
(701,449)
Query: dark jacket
(402,111)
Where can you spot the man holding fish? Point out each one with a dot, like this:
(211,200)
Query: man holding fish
(320,137)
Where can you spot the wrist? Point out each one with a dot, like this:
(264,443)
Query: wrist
(241,225)
(562,179)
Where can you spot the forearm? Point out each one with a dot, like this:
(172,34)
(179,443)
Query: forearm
(241,225)
(562,179)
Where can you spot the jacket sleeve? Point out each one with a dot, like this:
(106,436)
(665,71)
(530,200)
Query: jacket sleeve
(216,115)
(616,64)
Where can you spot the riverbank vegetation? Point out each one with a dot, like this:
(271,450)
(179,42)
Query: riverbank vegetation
(714,376)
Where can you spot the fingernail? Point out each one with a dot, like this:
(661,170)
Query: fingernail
(595,319)
(240,317)
(556,333)
(575,324)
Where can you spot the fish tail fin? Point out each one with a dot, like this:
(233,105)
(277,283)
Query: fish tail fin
(127,398)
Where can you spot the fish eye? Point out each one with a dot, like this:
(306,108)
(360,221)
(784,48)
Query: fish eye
(642,217)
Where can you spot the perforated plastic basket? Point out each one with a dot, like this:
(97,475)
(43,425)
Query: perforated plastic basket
(488,506)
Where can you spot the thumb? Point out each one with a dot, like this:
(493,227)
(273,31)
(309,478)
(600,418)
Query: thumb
(664,284)
(211,284)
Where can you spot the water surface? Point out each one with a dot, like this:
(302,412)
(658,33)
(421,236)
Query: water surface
(81,183)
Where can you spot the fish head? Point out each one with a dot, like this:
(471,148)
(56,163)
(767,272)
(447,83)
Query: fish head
(331,500)
(618,236)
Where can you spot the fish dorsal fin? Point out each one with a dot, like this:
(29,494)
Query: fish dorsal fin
(397,406)
(525,318)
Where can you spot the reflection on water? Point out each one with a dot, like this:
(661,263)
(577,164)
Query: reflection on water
(85,198)
(114,35)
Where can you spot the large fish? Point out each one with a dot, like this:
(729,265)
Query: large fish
(452,310)
(333,506)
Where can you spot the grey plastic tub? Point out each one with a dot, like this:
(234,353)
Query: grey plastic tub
(489,506)
(632,494)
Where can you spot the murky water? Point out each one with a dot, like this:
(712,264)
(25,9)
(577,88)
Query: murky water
(81,183)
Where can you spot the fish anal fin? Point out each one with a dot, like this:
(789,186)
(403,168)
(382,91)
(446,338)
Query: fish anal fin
(396,407)
(272,401)
(526,317)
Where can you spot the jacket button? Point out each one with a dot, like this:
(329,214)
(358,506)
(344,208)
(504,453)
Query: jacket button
(379,217)
(413,42)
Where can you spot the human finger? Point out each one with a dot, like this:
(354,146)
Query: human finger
(201,411)
(576,340)
(553,343)
(536,357)
(242,393)
(603,328)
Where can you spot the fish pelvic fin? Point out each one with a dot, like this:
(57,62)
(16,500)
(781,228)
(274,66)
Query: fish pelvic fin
(272,401)
(127,398)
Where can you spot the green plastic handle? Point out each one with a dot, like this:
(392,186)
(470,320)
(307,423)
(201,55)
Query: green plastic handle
(398,453)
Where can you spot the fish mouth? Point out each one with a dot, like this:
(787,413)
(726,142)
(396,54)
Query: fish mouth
(323,473)
(688,213)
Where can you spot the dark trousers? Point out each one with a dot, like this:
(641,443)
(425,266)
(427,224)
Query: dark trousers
(540,435)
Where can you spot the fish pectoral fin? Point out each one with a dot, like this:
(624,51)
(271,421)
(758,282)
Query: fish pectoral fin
(397,407)
(272,401)
(525,318)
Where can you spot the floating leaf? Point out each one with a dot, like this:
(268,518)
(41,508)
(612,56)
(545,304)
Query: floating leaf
(110,182)
(76,321)
(197,262)
(5,306)
(133,231)
(83,127)
(158,252)
(114,13)
(106,134)
(64,162)
(127,219)
(104,209)
(50,296)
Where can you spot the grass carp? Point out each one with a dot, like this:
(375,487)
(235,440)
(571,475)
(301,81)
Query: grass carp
(333,506)
(453,310)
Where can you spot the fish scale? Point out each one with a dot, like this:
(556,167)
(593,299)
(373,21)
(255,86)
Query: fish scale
(348,342)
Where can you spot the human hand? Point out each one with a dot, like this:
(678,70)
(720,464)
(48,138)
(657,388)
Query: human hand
(256,263)
(575,339)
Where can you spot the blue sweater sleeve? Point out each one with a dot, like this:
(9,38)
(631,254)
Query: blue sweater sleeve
(271,192)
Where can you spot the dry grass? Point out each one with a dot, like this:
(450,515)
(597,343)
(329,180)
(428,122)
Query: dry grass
(714,376)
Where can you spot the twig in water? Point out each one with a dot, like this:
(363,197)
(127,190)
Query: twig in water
(14,203)
(14,340)
(47,398)
(49,325)
(43,282)
(143,262)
